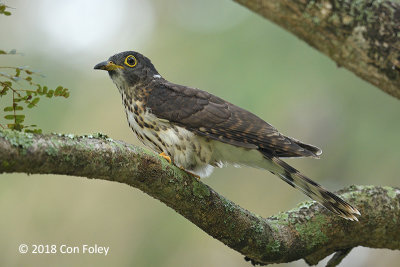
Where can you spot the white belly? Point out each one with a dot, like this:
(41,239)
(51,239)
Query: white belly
(187,150)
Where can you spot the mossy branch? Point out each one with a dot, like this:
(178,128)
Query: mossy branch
(308,232)
(362,36)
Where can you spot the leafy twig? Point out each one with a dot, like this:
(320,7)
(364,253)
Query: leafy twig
(3,9)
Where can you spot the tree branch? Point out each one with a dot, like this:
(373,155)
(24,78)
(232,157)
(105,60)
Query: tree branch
(308,232)
(363,36)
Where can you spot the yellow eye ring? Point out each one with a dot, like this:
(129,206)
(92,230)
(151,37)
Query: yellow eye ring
(130,61)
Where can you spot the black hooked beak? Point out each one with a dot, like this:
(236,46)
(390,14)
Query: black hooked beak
(108,66)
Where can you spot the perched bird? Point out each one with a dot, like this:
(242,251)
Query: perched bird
(199,131)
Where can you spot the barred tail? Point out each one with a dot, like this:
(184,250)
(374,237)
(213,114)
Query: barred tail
(315,191)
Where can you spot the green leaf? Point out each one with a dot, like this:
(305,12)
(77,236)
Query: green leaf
(50,94)
(29,78)
(9,117)
(2,52)
(35,131)
(17,72)
(19,118)
(4,91)
(58,91)
(35,100)
(39,89)
(7,13)
(19,108)
(8,109)
(18,126)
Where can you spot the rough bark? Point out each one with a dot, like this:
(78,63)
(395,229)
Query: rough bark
(362,36)
(308,231)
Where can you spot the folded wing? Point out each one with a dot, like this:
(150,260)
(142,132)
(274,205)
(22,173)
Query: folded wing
(215,118)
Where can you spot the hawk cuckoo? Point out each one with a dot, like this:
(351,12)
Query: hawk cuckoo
(199,131)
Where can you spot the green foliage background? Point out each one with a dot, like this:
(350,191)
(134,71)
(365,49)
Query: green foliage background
(236,55)
(16,86)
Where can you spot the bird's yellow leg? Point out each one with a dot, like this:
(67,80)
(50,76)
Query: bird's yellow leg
(165,156)
(188,172)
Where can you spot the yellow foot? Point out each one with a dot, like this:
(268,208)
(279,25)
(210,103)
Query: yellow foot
(195,175)
(165,156)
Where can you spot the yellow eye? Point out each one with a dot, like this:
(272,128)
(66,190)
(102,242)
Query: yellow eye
(130,61)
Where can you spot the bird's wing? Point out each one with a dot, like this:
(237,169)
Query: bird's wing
(213,117)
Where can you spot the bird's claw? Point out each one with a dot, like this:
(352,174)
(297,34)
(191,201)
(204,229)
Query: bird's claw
(165,156)
(188,172)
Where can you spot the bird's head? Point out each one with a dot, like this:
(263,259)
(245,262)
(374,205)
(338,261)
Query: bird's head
(128,68)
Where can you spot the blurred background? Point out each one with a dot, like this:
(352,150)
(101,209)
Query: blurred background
(217,46)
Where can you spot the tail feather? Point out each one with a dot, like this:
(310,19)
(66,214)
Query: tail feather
(315,191)
(316,151)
